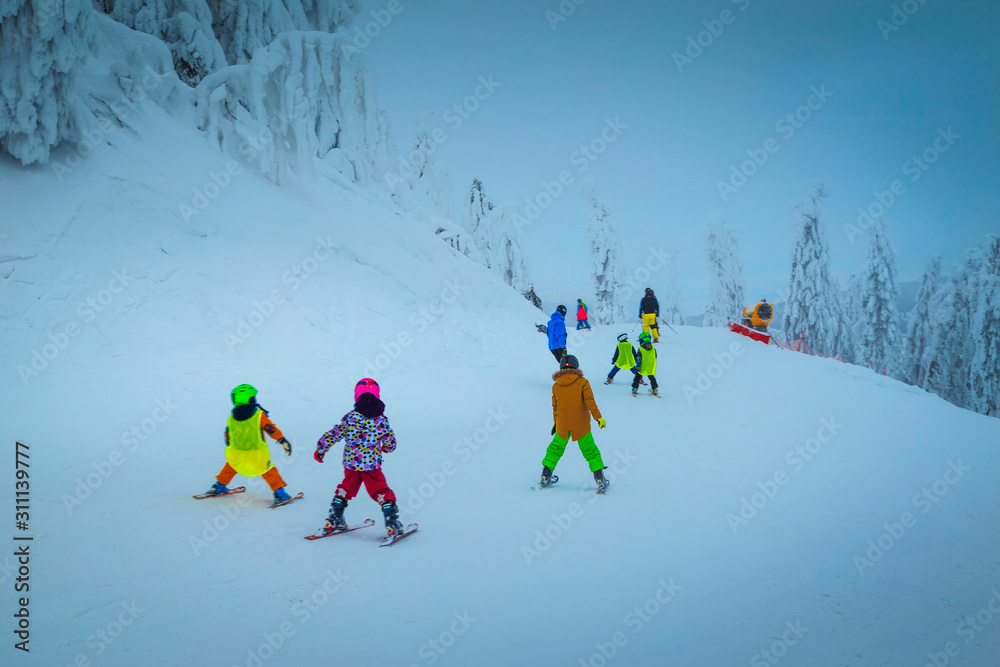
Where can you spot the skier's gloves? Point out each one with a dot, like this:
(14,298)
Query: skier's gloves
(287,445)
(318,455)
(601,422)
(553,428)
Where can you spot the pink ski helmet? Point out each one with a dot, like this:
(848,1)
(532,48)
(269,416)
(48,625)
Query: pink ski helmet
(365,386)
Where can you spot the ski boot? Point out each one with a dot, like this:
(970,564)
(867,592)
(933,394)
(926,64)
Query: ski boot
(335,522)
(608,380)
(393,526)
(655,392)
(217,490)
(547,478)
(635,392)
(281,495)
(602,482)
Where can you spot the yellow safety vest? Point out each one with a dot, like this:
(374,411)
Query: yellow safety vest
(247,451)
(625,358)
(648,366)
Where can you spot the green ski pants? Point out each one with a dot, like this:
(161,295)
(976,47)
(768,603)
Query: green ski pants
(587,447)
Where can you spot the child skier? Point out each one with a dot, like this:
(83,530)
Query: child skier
(624,358)
(572,406)
(645,363)
(582,321)
(246,450)
(367,435)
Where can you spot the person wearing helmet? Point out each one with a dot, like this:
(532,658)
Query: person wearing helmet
(645,363)
(557,333)
(649,311)
(573,405)
(367,435)
(624,357)
(759,316)
(582,321)
(247,453)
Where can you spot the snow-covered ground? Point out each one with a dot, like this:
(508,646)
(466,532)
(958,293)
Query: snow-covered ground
(770,508)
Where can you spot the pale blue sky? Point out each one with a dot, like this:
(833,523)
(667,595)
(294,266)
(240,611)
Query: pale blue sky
(687,129)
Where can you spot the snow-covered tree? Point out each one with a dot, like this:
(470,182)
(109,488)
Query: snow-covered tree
(950,351)
(427,178)
(850,300)
(243,26)
(813,304)
(725,271)
(495,230)
(606,251)
(323,15)
(984,381)
(306,95)
(478,207)
(879,341)
(42,46)
(185,26)
(920,323)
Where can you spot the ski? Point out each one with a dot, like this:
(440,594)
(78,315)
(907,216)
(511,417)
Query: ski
(392,539)
(237,489)
(285,502)
(319,536)
(602,489)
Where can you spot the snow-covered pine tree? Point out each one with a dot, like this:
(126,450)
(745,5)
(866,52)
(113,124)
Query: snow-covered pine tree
(478,207)
(185,26)
(813,304)
(668,295)
(948,357)
(323,15)
(920,323)
(850,300)
(427,178)
(42,45)
(243,26)
(495,231)
(606,251)
(879,341)
(725,274)
(984,381)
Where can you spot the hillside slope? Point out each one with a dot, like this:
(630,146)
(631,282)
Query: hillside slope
(753,508)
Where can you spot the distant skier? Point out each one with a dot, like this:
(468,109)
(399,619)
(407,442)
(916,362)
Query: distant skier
(645,363)
(367,435)
(759,316)
(582,321)
(624,358)
(649,311)
(573,405)
(557,333)
(247,453)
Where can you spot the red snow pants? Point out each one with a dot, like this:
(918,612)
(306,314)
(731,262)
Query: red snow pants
(374,481)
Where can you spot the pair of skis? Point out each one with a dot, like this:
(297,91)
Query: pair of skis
(388,541)
(241,489)
(555,478)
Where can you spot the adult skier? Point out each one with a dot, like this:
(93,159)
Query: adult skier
(573,405)
(557,333)
(247,453)
(649,311)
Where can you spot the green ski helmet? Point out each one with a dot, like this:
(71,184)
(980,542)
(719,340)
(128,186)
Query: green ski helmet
(244,394)
(645,338)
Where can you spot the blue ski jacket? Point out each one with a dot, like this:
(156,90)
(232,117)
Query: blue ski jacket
(557,331)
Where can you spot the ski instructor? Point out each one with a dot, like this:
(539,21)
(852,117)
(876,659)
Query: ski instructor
(557,333)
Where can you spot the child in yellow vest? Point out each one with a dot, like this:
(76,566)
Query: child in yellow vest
(645,364)
(247,453)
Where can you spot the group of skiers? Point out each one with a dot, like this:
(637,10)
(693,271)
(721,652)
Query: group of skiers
(573,402)
(367,435)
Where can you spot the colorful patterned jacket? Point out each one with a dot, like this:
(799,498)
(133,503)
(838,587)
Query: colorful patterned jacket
(366,432)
